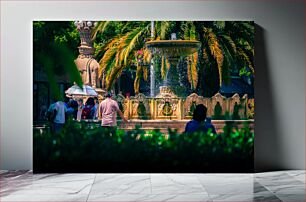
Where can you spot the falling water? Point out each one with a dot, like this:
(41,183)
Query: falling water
(173,50)
(152,72)
(152,79)
(166,81)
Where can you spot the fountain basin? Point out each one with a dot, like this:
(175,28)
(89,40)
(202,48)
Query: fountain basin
(173,48)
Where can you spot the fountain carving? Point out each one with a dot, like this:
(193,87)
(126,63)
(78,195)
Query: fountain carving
(167,106)
(140,107)
(173,50)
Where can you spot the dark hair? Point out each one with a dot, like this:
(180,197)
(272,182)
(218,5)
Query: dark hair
(73,104)
(108,94)
(90,101)
(199,114)
(67,99)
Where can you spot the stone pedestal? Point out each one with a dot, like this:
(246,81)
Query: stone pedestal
(86,63)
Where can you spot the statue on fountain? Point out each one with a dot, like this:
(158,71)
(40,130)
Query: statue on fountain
(86,64)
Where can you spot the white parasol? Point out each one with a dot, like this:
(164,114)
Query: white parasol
(76,91)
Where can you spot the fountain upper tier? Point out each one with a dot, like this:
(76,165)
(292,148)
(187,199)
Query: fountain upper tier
(173,48)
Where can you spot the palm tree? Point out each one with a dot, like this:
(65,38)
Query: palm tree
(225,46)
(119,52)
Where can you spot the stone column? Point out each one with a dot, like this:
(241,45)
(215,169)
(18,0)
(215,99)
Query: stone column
(86,63)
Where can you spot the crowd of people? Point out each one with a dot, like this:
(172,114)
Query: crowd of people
(107,110)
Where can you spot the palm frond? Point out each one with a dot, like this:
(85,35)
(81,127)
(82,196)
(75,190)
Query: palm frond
(100,28)
(192,71)
(205,55)
(215,50)
(137,79)
(107,60)
(230,42)
(241,31)
(246,59)
(109,57)
(145,73)
(136,85)
(248,27)
(121,46)
(112,43)
(189,30)
(132,39)
(147,56)
(228,63)
(164,28)
(115,72)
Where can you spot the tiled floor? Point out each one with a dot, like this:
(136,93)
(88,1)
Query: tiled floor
(270,186)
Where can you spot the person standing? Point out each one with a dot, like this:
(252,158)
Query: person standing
(96,108)
(108,110)
(50,114)
(88,109)
(80,109)
(59,119)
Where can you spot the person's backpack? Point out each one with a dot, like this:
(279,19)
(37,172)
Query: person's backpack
(51,115)
(86,113)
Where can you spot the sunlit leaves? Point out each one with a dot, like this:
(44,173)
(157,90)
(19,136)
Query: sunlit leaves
(227,46)
(188,29)
(120,51)
(100,28)
(215,50)
(137,79)
(192,70)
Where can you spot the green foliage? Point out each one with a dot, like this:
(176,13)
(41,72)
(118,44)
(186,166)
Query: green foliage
(55,48)
(244,72)
(82,147)
(227,46)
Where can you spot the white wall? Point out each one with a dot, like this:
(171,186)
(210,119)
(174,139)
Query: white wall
(280,62)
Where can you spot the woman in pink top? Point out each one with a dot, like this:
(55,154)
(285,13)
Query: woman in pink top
(108,111)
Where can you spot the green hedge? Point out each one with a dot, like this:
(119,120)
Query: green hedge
(88,148)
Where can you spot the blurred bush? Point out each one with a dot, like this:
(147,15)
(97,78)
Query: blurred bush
(82,147)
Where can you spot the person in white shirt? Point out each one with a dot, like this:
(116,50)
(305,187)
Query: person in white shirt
(59,119)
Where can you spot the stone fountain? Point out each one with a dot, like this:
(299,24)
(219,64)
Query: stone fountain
(167,110)
(173,50)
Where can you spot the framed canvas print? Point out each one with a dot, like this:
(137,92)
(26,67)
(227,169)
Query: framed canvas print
(143,96)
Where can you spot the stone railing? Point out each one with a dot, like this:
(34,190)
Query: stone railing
(170,107)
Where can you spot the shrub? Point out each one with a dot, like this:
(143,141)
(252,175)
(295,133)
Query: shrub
(82,147)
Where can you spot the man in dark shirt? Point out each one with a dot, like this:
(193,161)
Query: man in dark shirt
(198,122)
